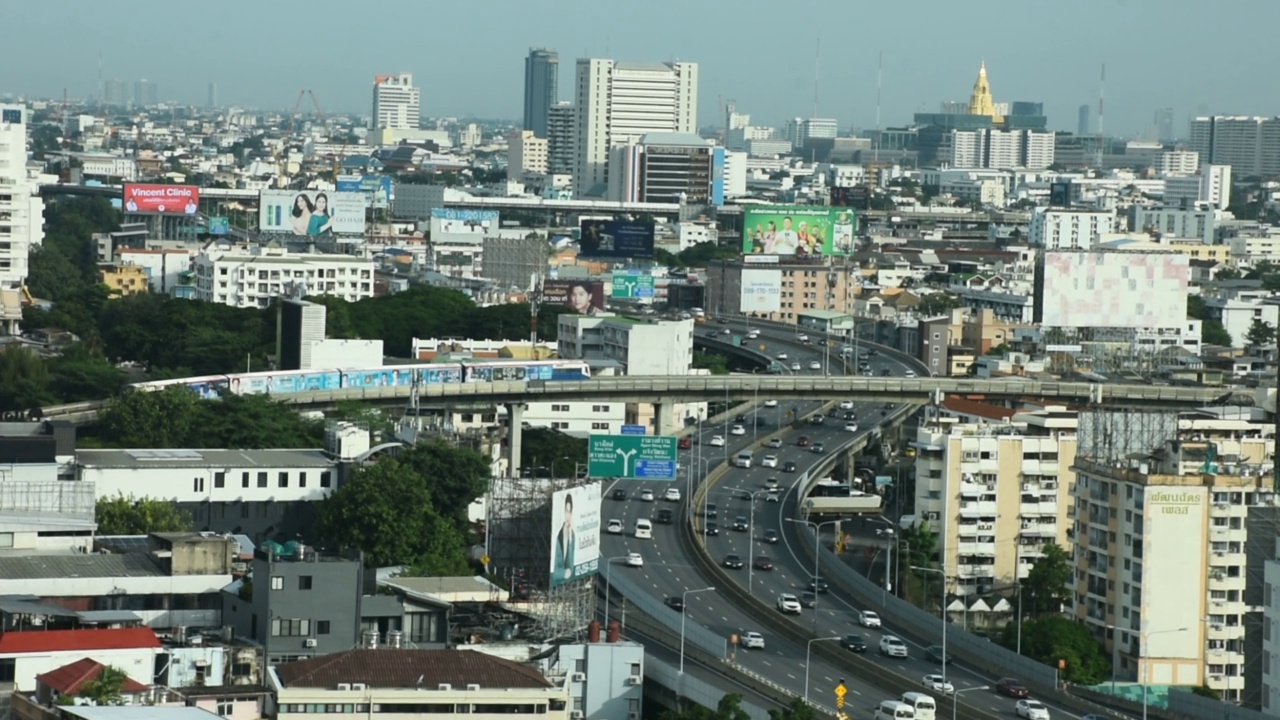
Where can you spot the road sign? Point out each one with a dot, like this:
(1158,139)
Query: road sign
(841,691)
(628,286)
(636,457)
(634,430)
(484,560)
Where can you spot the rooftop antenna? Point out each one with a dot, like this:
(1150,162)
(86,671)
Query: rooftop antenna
(102,89)
(879,86)
(817,65)
(1102,96)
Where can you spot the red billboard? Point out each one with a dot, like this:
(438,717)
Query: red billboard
(167,199)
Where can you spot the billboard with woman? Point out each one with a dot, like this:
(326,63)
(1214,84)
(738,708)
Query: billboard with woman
(312,213)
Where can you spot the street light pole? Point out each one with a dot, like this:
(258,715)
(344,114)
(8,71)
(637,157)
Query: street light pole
(684,612)
(1115,654)
(888,559)
(808,654)
(1145,664)
(817,547)
(955,697)
(608,568)
(751,533)
(943,613)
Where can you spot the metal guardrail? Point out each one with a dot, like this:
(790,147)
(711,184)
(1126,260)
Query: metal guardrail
(694,689)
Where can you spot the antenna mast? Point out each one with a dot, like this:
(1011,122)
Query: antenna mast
(817,66)
(1102,96)
(879,88)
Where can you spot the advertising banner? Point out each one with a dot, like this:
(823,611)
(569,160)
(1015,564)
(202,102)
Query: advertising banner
(631,286)
(615,239)
(761,290)
(798,230)
(219,225)
(375,187)
(575,533)
(458,225)
(161,199)
(585,297)
(311,213)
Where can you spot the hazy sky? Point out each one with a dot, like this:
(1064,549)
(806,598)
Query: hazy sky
(467,57)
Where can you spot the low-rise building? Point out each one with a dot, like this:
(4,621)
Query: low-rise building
(254,277)
(123,279)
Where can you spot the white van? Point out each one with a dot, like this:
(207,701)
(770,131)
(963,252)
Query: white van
(895,710)
(924,705)
(743,460)
(644,529)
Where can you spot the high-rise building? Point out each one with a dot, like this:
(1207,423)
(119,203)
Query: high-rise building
(113,92)
(541,88)
(1164,124)
(1083,116)
(1022,108)
(526,153)
(562,133)
(620,102)
(212,100)
(668,168)
(145,93)
(734,120)
(801,130)
(20,203)
(1250,145)
(396,103)
(1000,149)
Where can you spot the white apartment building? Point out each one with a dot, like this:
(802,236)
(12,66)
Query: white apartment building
(252,277)
(1238,307)
(21,209)
(1250,145)
(1176,222)
(740,138)
(526,153)
(109,167)
(164,267)
(619,102)
(1061,229)
(1160,547)
(995,491)
(1248,250)
(1179,162)
(1215,185)
(1270,691)
(800,130)
(1001,149)
(397,104)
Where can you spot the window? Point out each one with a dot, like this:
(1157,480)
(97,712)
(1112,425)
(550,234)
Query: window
(322,627)
(226,706)
(284,480)
(290,627)
(262,479)
(197,484)
(219,479)
(326,478)
(304,582)
(277,582)
(302,479)
(6,540)
(244,479)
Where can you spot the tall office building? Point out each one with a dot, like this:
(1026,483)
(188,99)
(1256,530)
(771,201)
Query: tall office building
(1164,124)
(145,92)
(562,133)
(541,88)
(20,205)
(618,103)
(212,100)
(1082,119)
(801,130)
(1250,145)
(114,93)
(396,102)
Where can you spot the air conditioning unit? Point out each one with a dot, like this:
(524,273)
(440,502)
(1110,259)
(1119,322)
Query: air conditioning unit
(635,680)
(575,714)
(444,687)
(473,687)
(358,686)
(579,677)
(309,642)
(344,686)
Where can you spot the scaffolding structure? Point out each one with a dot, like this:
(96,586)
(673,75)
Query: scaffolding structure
(1111,436)
(518,544)
(1112,350)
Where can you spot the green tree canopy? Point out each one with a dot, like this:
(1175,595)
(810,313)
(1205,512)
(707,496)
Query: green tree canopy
(1047,586)
(560,453)
(937,303)
(1260,334)
(121,515)
(177,418)
(797,710)
(1055,638)
(717,364)
(729,708)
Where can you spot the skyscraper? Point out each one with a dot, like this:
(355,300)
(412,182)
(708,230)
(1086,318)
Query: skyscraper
(561,135)
(145,93)
(1250,145)
(541,88)
(1164,124)
(1082,119)
(22,209)
(213,95)
(113,92)
(618,103)
(396,102)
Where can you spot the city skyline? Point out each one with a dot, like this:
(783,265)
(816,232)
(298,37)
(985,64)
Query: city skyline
(772,80)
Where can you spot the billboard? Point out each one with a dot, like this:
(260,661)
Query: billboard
(1100,289)
(311,213)
(631,286)
(585,297)
(575,533)
(633,457)
(615,239)
(376,187)
(457,225)
(161,199)
(219,225)
(761,290)
(798,230)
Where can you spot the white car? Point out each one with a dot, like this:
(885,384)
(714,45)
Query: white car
(789,604)
(634,560)
(737,430)
(726,331)
(892,646)
(815,365)
(774,442)
(769,461)
(771,403)
(795,366)
(782,356)
(753,640)
(912,373)
(846,404)
(1031,710)
(672,495)
(851,427)
(802,337)
(646,496)
(614,527)
(937,683)
(868,619)
(717,441)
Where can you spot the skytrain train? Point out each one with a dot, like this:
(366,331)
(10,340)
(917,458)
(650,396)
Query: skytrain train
(289,382)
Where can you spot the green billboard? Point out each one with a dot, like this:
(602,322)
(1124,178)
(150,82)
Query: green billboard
(636,457)
(631,286)
(798,230)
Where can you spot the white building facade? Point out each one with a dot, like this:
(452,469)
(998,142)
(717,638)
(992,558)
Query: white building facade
(1059,229)
(21,209)
(397,104)
(252,277)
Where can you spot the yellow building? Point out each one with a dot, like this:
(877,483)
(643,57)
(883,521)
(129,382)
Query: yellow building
(981,102)
(123,279)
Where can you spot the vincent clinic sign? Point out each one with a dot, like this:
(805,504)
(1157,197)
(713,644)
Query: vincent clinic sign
(166,199)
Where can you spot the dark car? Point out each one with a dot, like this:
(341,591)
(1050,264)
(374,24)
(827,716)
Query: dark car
(675,603)
(709,510)
(712,529)
(850,415)
(619,494)
(854,643)
(818,448)
(934,653)
(789,467)
(802,441)
(740,419)
(817,420)
(771,536)
(1012,688)
(809,600)
(740,524)
(685,442)
(665,517)
(733,562)
(818,586)
(885,372)
(822,343)
(763,563)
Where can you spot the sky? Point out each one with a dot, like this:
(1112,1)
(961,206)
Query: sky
(468,57)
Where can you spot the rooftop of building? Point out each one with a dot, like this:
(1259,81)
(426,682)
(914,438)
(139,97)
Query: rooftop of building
(977,408)
(48,641)
(136,712)
(404,668)
(52,566)
(1146,471)
(72,677)
(448,589)
(676,139)
(185,458)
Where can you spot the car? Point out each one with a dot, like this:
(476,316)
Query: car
(771,403)
(809,600)
(788,604)
(665,517)
(771,536)
(853,643)
(789,466)
(753,334)
(868,619)
(684,443)
(723,321)
(740,418)
(634,560)
(851,415)
(795,367)
(802,338)
(716,441)
(762,562)
(726,331)
(802,441)
(769,461)
(1031,710)
(938,683)
(672,495)
(934,653)
(646,496)
(737,430)
(892,646)
(752,640)
(815,365)
(851,427)
(711,529)
(1011,688)
(818,585)
(709,510)
(822,342)
(740,524)
(818,448)
(846,404)
(675,602)
(817,420)
(614,527)
(782,356)
(733,562)
(773,496)
(886,372)
(771,484)
(619,494)
(774,443)
(909,373)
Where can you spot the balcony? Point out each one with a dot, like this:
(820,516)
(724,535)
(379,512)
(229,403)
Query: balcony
(976,571)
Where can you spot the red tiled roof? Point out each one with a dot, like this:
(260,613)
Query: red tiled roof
(68,679)
(965,406)
(407,668)
(32,641)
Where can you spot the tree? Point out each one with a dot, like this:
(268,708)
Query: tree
(937,303)
(1260,334)
(1056,638)
(121,515)
(559,453)
(24,380)
(729,708)
(178,418)
(1046,587)
(107,688)
(1213,333)
(717,364)
(797,710)
(1196,309)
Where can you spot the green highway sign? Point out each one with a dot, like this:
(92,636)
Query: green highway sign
(636,457)
(627,286)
